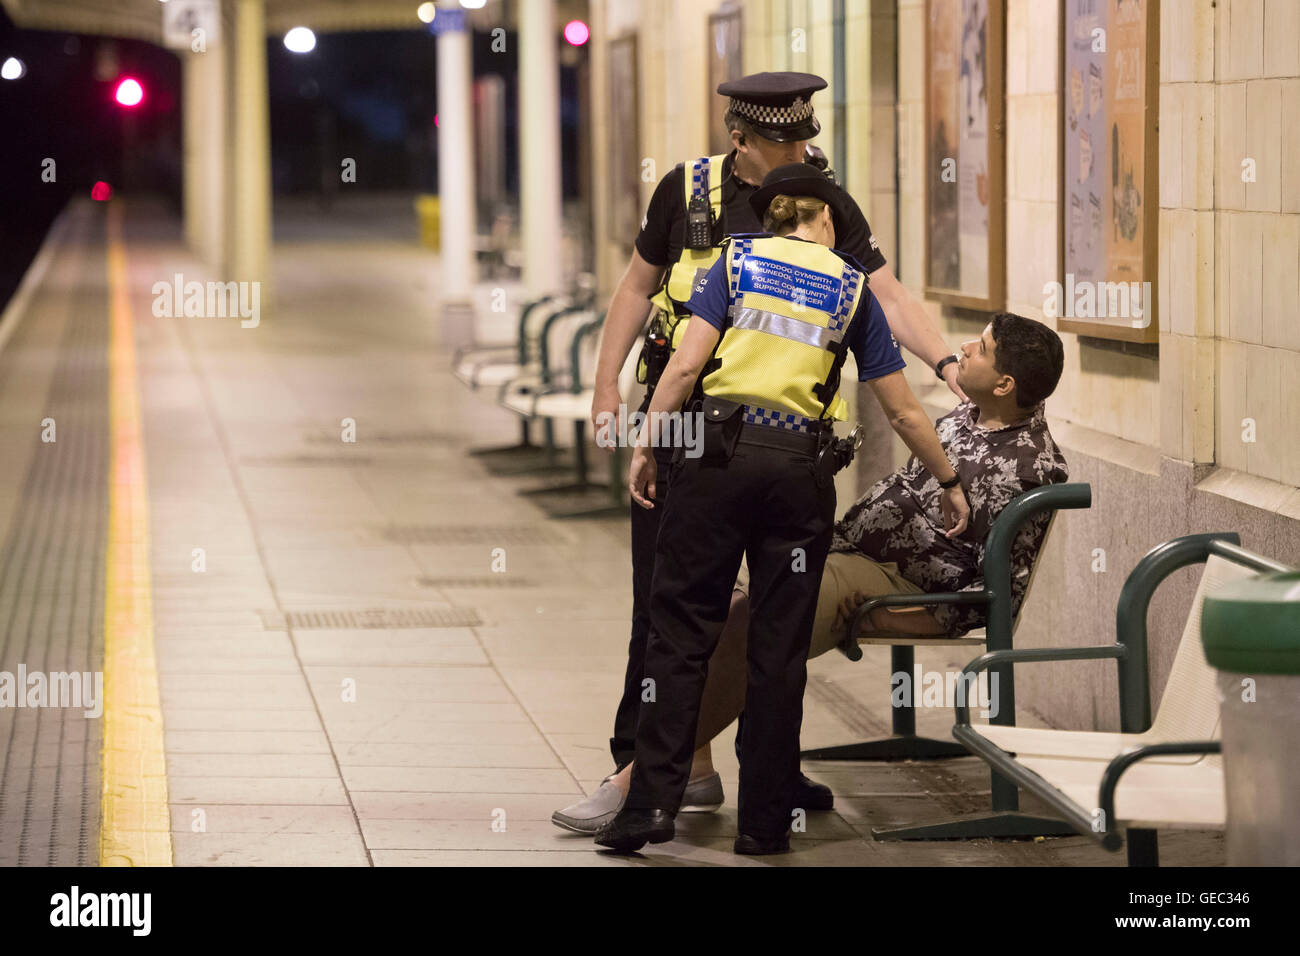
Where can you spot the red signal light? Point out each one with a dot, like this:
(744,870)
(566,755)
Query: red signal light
(129,92)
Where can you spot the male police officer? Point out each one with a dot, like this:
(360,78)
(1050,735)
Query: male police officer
(770,118)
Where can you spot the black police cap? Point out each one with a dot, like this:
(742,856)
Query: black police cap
(777,105)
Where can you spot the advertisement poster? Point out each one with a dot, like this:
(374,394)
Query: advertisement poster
(964,159)
(1108,168)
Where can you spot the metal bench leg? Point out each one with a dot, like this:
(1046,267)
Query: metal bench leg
(1007,819)
(1143,848)
(523,446)
(903,744)
(601,501)
(522,458)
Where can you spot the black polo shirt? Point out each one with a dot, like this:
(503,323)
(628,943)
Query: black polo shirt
(663,231)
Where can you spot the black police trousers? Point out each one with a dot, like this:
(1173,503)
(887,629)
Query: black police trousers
(645,535)
(764,504)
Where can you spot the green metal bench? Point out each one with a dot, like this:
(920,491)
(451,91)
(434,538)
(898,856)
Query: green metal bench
(1069,769)
(1006,820)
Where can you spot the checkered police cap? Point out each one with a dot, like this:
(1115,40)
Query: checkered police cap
(777,105)
(798,111)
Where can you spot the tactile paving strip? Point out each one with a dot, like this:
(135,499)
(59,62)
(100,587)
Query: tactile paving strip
(52,599)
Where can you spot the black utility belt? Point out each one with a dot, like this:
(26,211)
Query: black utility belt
(770,436)
(725,428)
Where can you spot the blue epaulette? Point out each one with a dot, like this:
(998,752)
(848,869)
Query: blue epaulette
(749,235)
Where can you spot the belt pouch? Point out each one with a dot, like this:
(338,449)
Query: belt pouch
(722,424)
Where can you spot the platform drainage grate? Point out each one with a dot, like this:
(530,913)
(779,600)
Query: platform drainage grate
(477,581)
(381,618)
(329,436)
(519,534)
(328,460)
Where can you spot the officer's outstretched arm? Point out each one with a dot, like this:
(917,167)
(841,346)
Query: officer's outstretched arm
(623,322)
(911,326)
(684,367)
(908,419)
(674,388)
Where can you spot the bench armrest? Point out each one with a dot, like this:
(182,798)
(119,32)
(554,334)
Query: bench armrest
(1115,769)
(848,646)
(1027,654)
(575,351)
(524,313)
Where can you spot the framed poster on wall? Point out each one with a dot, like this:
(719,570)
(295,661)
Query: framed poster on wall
(1108,230)
(725,35)
(624,139)
(965,212)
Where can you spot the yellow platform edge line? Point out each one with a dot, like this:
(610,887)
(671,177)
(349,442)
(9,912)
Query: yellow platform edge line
(135,820)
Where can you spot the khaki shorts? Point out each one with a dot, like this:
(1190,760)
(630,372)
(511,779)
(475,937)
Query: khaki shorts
(846,572)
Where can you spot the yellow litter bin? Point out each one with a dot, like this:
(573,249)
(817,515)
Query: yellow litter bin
(429,209)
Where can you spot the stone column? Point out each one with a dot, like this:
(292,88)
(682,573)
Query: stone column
(206,79)
(251,149)
(539,148)
(459,215)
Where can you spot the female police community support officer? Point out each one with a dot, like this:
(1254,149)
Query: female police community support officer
(787,309)
(771,119)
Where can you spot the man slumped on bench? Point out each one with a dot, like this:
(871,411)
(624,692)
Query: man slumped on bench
(891,541)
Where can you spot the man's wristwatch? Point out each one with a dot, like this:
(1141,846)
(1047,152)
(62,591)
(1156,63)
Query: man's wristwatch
(944,363)
(952,482)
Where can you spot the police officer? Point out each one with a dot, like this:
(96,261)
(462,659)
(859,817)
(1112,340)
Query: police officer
(787,308)
(770,118)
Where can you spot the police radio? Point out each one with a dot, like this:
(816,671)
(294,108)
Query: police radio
(699,223)
(655,353)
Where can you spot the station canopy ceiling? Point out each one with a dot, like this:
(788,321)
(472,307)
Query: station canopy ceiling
(142,19)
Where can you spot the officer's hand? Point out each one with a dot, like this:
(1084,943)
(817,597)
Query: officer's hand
(641,477)
(604,416)
(956,511)
(950,376)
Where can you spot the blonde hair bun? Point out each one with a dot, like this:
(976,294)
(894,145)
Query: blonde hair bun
(785,213)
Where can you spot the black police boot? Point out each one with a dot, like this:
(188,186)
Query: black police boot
(633,829)
(747,845)
(811,795)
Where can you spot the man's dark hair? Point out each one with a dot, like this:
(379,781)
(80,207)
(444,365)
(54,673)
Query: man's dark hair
(1029,352)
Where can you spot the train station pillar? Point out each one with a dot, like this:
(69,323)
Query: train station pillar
(539,148)
(249,243)
(206,79)
(456,192)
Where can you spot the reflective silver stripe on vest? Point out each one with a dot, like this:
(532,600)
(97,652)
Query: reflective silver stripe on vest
(757,320)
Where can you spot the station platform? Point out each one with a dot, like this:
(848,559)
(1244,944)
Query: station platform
(308,659)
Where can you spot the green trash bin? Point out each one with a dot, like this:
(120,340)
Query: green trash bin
(1251,632)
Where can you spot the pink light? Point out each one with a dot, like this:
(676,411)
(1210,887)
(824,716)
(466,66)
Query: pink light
(435,120)
(129,92)
(576,32)
(101,191)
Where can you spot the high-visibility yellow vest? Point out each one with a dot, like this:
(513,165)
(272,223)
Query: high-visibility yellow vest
(703,179)
(791,305)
